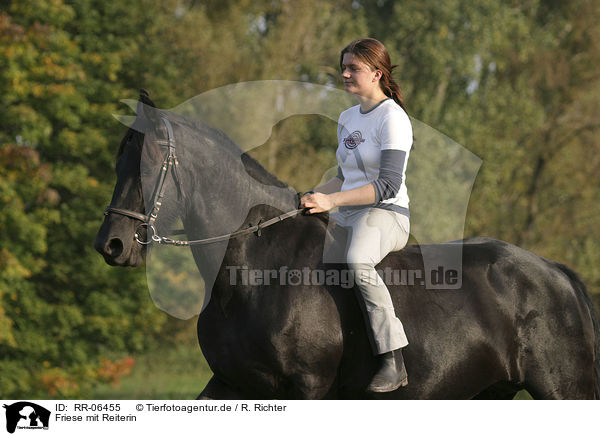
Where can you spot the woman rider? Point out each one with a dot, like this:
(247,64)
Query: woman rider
(374,141)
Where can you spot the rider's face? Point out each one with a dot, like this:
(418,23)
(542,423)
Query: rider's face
(358,77)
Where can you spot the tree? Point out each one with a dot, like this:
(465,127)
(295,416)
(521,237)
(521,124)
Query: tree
(63,311)
(516,84)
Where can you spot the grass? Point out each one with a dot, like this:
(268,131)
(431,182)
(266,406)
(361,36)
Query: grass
(173,372)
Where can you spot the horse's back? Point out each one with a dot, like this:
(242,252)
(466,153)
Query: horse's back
(516,316)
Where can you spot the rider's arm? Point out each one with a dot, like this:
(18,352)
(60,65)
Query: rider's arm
(354,197)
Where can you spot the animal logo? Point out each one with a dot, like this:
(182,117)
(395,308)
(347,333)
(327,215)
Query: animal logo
(26,415)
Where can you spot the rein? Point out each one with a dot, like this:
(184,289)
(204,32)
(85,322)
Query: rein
(171,163)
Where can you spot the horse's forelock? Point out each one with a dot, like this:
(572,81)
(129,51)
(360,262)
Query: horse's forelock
(129,136)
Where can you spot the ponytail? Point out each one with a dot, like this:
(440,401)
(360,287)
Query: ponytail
(391,88)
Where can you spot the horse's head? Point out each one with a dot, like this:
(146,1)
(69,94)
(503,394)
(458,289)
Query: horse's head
(137,166)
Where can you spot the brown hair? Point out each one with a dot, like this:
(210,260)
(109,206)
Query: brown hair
(373,53)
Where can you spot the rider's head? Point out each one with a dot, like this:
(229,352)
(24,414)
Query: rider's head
(373,53)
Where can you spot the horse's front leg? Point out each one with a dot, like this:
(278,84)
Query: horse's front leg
(218,390)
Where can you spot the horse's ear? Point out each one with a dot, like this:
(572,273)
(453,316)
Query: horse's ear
(145,98)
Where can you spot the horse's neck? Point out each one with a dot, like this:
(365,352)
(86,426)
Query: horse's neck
(222,200)
(222,196)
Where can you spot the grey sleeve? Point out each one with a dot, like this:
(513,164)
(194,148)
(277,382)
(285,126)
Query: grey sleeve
(390,174)
(340,175)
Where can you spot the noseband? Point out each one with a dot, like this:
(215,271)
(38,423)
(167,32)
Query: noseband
(171,163)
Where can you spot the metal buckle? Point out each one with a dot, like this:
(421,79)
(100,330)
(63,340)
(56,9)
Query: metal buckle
(153,238)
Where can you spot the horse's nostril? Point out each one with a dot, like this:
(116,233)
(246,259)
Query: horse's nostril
(114,248)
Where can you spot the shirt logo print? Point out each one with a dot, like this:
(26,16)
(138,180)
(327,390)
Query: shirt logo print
(353,140)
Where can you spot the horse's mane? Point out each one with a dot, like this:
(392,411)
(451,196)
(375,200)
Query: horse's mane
(201,129)
(252,166)
(258,172)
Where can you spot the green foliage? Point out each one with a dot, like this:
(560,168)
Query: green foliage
(513,82)
(62,308)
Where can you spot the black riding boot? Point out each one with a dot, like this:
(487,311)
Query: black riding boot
(391,374)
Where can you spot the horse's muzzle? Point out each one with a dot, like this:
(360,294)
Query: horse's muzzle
(117,252)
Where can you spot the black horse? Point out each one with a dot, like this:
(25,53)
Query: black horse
(518,321)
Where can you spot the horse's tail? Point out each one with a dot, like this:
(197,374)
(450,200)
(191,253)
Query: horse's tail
(580,286)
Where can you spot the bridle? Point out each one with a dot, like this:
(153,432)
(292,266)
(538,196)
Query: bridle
(170,163)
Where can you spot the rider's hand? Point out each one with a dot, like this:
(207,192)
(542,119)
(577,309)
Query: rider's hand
(317,202)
